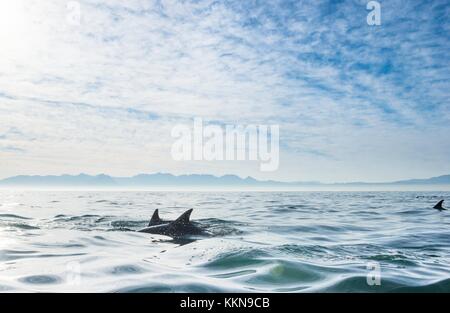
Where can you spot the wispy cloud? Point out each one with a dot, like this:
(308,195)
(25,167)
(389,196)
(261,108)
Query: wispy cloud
(354,102)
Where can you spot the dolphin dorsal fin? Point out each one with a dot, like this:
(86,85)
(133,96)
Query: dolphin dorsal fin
(155,218)
(439,205)
(183,219)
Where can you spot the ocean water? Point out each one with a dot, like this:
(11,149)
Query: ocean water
(81,241)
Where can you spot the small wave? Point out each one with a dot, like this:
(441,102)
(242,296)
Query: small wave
(120,229)
(4,288)
(237,259)
(23,226)
(304,251)
(287,273)
(11,255)
(288,208)
(428,197)
(409,212)
(218,228)
(358,283)
(220,221)
(234,274)
(398,259)
(158,287)
(442,286)
(41,279)
(66,218)
(125,270)
(128,224)
(14,216)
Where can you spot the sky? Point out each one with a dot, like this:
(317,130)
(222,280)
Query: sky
(96,86)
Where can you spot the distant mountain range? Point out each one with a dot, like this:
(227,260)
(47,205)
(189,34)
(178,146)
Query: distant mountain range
(169,180)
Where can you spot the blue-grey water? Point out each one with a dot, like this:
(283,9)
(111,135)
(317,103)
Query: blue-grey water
(80,241)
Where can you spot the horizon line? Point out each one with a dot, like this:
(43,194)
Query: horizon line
(312,182)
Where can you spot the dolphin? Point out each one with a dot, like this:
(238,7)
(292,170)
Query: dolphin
(180,227)
(438,206)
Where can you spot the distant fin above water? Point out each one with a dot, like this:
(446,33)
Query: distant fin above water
(438,206)
(155,219)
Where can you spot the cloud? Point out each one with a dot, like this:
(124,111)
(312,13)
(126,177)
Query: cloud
(354,102)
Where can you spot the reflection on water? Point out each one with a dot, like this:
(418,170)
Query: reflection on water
(252,241)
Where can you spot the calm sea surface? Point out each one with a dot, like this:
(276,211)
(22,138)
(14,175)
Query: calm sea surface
(254,241)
